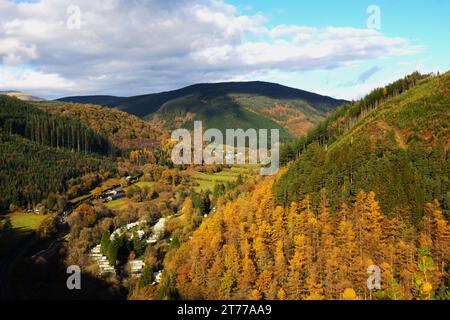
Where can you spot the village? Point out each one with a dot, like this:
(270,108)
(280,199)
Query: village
(136,265)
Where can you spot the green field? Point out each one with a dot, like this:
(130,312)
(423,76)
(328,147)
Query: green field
(144,184)
(23,226)
(26,220)
(118,204)
(207,181)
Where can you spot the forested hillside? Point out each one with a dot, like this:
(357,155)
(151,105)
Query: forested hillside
(18,117)
(251,248)
(107,101)
(30,172)
(124,130)
(43,154)
(345,117)
(398,148)
(220,112)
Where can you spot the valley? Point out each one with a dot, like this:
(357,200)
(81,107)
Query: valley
(89,181)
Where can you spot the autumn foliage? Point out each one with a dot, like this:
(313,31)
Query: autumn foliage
(252,249)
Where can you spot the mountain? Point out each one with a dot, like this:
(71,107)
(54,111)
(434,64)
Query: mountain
(394,142)
(231,104)
(108,101)
(21,95)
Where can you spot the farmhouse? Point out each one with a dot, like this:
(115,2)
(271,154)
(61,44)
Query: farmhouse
(115,194)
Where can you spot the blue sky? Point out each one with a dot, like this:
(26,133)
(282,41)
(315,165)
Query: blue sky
(426,23)
(126,48)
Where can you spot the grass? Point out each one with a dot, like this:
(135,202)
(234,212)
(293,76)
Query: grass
(224,176)
(23,226)
(144,184)
(28,221)
(119,204)
(207,181)
(205,185)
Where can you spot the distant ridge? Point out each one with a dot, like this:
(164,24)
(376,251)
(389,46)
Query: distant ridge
(103,100)
(135,104)
(254,104)
(21,95)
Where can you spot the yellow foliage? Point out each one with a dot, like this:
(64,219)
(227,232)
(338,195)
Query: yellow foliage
(261,250)
(427,287)
(255,295)
(349,294)
(281,295)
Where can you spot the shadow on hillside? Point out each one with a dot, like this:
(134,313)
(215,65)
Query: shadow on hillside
(45,279)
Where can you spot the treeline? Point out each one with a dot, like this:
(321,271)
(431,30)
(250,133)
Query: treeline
(344,118)
(30,172)
(18,117)
(251,248)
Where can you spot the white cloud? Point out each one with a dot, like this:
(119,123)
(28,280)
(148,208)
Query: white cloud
(14,52)
(30,80)
(130,47)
